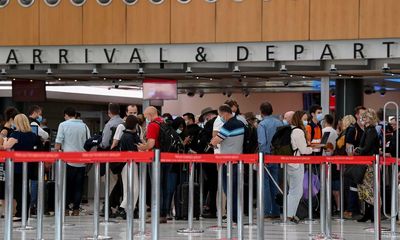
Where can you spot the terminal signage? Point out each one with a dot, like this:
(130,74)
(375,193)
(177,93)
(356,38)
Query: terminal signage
(188,53)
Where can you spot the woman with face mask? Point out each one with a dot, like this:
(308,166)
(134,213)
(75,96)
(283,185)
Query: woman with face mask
(369,146)
(296,171)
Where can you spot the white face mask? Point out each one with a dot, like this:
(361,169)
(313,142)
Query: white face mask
(178,131)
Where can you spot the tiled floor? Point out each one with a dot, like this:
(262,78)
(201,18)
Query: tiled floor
(84,227)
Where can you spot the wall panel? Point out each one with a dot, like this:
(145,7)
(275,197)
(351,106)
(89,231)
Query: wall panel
(334,19)
(378,18)
(19,25)
(149,23)
(60,25)
(192,22)
(239,21)
(104,24)
(294,24)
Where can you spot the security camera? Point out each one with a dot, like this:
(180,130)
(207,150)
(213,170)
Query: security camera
(246,92)
(116,86)
(236,69)
(333,68)
(49,72)
(283,68)
(140,71)
(95,71)
(385,67)
(3,71)
(188,70)
(229,94)
(369,90)
(382,91)
(286,83)
(190,93)
(201,94)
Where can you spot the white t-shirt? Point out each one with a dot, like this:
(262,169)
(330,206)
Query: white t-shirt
(120,131)
(216,128)
(332,137)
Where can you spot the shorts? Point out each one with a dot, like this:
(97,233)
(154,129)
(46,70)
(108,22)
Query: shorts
(336,185)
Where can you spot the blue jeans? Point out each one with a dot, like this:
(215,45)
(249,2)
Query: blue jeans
(168,187)
(270,191)
(234,188)
(34,191)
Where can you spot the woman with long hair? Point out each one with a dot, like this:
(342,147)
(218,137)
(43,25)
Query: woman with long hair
(22,139)
(369,146)
(295,172)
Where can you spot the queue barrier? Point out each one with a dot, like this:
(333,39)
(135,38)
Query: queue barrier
(156,158)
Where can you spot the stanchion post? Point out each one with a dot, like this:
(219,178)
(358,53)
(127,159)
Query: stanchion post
(96,217)
(377,212)
(129,214)
(107,194)
(342,192)
(58,200)
(260,197)
(328,199)
(25,183)
(40,202)
(155,196)
(201,183)
(394,200)
(142,199)
(240,199)
(9,198)
(219,197)
(191,203)
(322,199)
(285,194)
(251,184)
(310,208)
(229,198)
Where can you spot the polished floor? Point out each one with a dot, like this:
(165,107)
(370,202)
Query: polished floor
(83,227)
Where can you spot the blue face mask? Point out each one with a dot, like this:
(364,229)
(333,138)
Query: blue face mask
(320,117)
(147,121)
(39,119)
(305,123)
(13,126)
(285,123)
(223,120)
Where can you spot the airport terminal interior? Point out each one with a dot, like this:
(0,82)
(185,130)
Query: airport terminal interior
(187,56)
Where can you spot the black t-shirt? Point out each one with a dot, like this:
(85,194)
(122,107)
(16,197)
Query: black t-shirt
(354,134)
(205,137)
(27,141)
(129,140)
(192,131)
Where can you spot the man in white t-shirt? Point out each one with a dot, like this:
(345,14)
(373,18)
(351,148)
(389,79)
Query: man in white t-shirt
(218,123)
(131,110)
(327,127)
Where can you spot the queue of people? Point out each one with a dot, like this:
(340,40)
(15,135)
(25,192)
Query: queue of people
(215,131)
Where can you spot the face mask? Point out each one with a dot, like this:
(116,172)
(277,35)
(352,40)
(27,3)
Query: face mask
(223,120)
(147,121)
(305,123)
(233,113)
(320,117)
(39,119)
(13,126)
(178,131)
(285,123)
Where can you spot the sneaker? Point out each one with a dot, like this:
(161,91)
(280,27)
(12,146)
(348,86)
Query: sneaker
(17,219)
(33,211)
(67,212)
(294,219)
(75,212)
(120,214)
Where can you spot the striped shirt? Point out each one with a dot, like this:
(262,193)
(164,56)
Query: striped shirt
(232,134)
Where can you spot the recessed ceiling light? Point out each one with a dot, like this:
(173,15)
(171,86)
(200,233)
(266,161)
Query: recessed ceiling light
(31,80)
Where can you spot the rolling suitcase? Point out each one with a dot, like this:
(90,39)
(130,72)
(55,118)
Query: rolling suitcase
(182,201)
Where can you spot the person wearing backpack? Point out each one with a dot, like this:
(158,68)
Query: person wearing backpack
(295,171)
(314,128)
(265,131)
(154,123)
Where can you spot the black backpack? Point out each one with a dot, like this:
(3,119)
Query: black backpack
(281,143)
(169,139)
(250,142)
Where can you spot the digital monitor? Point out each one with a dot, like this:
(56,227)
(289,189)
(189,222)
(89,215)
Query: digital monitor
(160,89)
(28,91)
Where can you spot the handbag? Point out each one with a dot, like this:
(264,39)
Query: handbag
(315,182)
(355,172)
